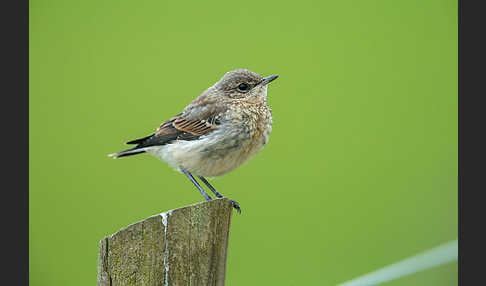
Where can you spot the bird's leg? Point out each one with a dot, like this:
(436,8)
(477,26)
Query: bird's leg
(210,187)
(235,204)
(189,175)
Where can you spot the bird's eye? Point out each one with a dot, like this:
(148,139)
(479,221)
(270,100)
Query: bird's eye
(243,87)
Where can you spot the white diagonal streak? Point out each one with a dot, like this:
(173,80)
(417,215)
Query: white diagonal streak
(441,254)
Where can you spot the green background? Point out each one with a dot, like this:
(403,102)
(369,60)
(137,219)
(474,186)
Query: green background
(361,167)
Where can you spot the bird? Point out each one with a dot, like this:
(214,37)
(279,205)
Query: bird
(217,132)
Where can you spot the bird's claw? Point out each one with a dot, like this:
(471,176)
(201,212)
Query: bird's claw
(236,206)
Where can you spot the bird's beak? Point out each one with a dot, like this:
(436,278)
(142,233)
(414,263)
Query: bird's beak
(268,79)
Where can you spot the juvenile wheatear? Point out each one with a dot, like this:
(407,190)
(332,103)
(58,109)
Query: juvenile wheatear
(217,132)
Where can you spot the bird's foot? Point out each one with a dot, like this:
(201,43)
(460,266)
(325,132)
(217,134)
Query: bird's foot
(236,206)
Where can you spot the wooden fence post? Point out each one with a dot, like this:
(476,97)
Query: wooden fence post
(185,246)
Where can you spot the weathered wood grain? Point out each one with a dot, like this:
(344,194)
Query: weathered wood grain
(185,246)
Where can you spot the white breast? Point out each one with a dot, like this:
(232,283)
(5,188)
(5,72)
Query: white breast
(215,154)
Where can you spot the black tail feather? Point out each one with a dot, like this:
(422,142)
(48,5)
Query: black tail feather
(140,140)
(129,152)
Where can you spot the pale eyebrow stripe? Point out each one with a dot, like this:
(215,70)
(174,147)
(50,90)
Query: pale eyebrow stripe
(444,253)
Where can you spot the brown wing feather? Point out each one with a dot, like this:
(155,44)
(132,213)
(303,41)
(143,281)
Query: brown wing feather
(194,127)
(180,127)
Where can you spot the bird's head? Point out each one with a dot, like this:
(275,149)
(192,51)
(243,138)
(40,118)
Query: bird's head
(243,84)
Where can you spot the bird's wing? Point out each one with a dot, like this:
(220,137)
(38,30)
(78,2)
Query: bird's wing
(180,127)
